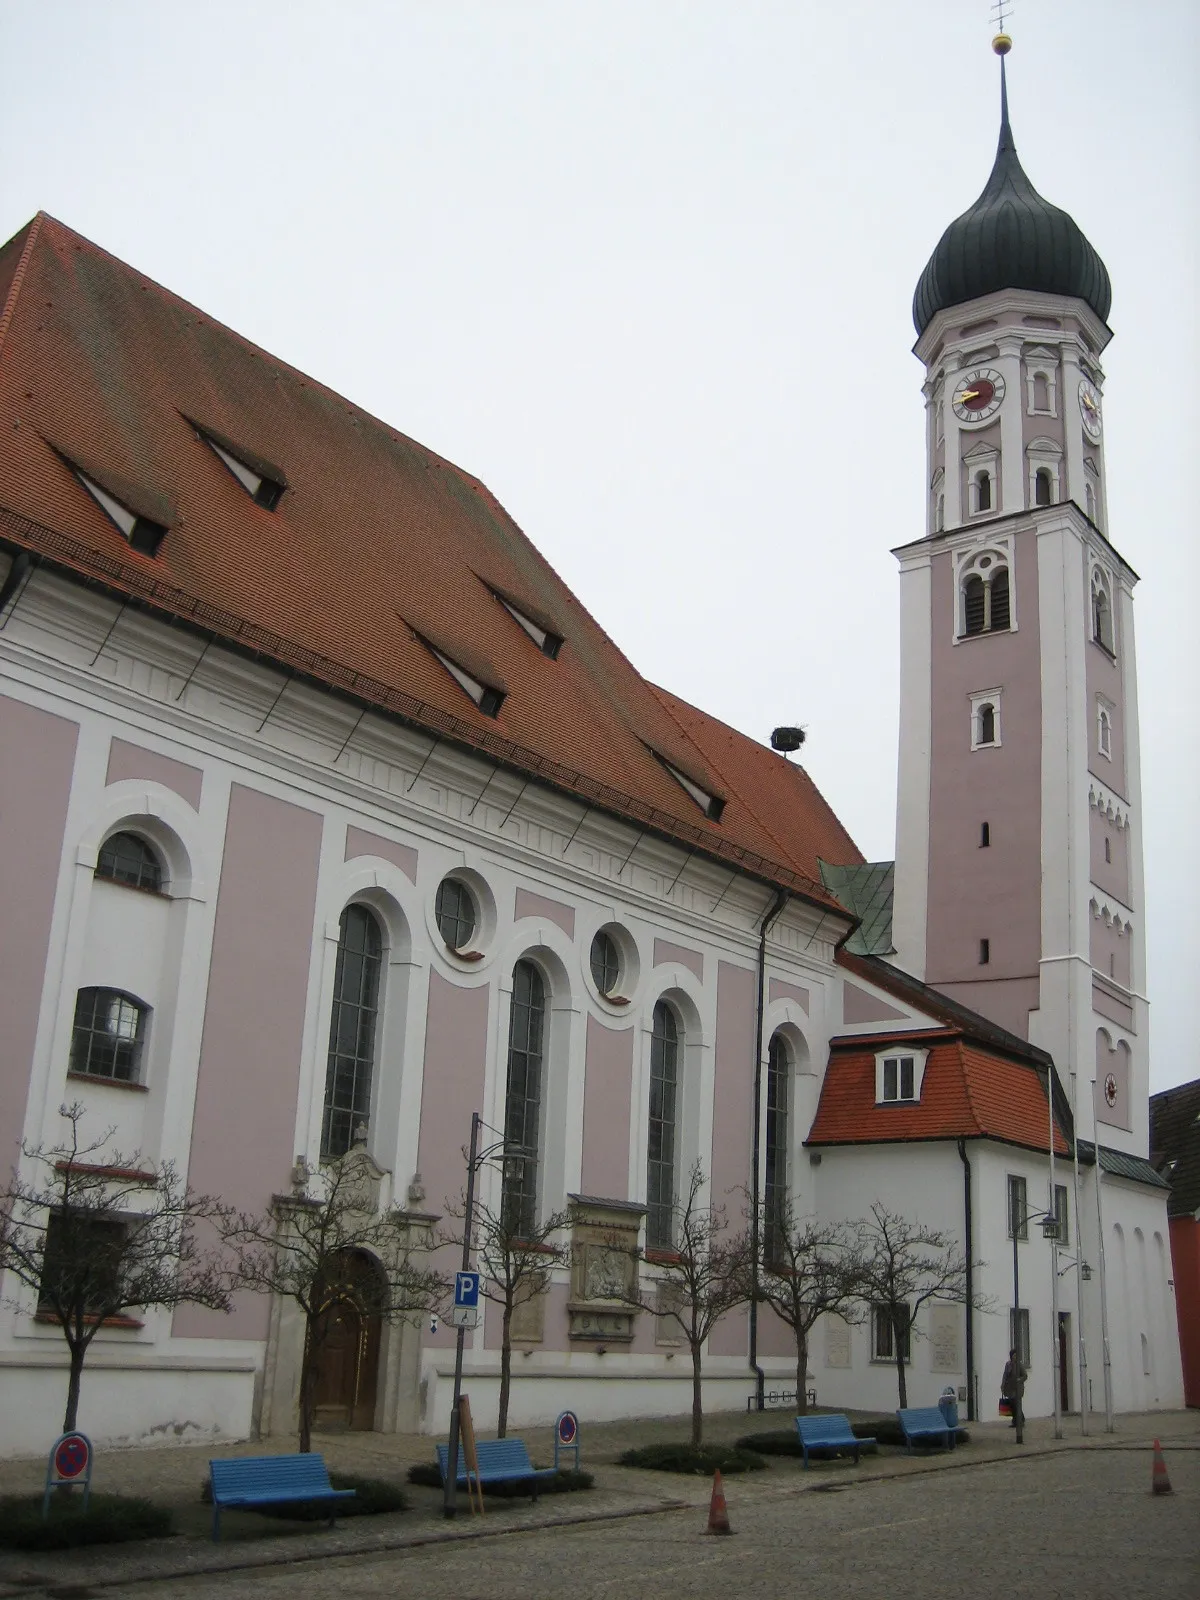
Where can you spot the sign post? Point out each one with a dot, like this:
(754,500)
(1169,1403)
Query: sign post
(566,1437)
(450,1494)
(70,1462)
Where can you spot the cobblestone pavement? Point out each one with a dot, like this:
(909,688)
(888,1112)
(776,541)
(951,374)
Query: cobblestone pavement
(1071,1523)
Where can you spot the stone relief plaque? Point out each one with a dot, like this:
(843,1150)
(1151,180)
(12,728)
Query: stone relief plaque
(604,1268)
(837,1342)
(667,1330)
(945,1339)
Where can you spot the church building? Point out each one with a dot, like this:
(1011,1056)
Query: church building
(330,816)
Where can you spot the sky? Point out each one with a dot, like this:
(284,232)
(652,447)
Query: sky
(646,269)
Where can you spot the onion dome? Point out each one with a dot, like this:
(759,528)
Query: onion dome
(1010,239)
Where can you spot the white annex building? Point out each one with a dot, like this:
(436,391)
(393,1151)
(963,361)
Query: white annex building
(328,813)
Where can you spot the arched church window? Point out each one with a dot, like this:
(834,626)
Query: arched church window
(775,1174)
(1041,392)
(987,724)
(127,858)
(974,605)
(1090,501)
(998,608)
(523,1100)
(352,1030)
(986,607)
(1104,731)
(1043,487)
(983,491)
(660,1151)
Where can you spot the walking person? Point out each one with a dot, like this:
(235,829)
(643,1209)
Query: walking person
(1012,1386)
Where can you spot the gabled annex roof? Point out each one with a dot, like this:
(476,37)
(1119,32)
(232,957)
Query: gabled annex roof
(377,545)
(969,1091)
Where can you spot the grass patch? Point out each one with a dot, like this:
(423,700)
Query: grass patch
(109,1519)
(373,1497)
(700,1462)
(565,1481)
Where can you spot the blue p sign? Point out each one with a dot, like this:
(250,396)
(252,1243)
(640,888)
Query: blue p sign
(466,1289)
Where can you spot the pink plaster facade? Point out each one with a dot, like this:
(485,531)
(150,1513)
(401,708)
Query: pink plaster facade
(456,1023)
(127,760)
(733,1090)
(361,843)
(241,1146)
(860,1007)
(37,759)
(1105,685)
(1110,856)
(607,1091)
(975,892)
(528,904)
(778,989)
(666,953)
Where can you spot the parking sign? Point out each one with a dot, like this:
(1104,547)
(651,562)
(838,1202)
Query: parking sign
(465,1312)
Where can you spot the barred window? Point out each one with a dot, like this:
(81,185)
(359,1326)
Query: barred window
(523,1100)
(605,962)
(775,1187)
(660,1149)
(891,1326)
(108,1035)
(126,858)
(1018,1208)
(352,1030)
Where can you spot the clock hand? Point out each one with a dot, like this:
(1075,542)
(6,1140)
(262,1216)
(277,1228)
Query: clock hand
(967,394)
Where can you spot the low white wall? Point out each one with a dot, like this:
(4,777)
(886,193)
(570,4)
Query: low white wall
(120,1407)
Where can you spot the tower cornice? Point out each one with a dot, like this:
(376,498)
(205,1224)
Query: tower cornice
(1008,309)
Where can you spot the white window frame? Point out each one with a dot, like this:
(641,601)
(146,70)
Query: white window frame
(983,458)
(899,1053)
(1099,578)
(1104,726)
(981,560)
(1044,455)
(1041,363)
(990,697)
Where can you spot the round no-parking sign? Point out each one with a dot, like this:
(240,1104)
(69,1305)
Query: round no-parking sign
(71,1455)
(568,1427)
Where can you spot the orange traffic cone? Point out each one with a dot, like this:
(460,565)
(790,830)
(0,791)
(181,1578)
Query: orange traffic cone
(1159,1482)
(718,1511)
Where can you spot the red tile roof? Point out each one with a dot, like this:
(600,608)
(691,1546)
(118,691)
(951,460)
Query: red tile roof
(969,1091)
(376,545)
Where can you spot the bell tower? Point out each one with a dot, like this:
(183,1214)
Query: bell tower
(1018,852)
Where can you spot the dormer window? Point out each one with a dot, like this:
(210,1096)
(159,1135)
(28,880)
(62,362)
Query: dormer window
(898,1076)
(547,642)
(712,805)
(144,535)
(488,700)
(263,490)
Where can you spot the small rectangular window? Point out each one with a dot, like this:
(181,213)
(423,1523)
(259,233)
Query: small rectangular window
(985,952)
(1108,850)
(1063,1236)
(985,835)
(1018,1334)
(891,1327)
(1018,1208)
(81,1262)
(899,1078)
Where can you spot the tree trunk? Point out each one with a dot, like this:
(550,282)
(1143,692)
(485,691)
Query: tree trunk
(70,1416)
(308,1383)
(900,1375)
(505,1369)
(697,1400)
(801,1372)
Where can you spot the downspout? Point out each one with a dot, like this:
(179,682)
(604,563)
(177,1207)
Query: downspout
(776,909)
(969,1231)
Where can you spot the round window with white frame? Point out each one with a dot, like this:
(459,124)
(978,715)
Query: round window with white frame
(613,964)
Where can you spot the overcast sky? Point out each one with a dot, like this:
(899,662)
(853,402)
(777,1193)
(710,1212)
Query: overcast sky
(646,268)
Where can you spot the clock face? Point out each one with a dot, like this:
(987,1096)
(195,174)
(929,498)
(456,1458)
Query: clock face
(1089,407)
(978,395)
(1110,1089)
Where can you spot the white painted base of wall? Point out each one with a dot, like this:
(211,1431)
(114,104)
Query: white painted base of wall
(123,1407)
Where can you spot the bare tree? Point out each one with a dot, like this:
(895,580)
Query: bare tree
(810,1269)
(515,1257)
(904,1264)
(100,1235)
(704,1275)
(306,1248)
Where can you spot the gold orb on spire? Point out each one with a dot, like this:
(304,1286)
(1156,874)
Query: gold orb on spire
(1002,44)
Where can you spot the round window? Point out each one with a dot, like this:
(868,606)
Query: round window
(454,909)
(606,962)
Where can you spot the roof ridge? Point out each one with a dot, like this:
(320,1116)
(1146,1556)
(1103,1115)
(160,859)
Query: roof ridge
(968,1088)
(208,320)
(14,289)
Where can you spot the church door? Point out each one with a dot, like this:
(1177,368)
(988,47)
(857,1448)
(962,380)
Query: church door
(349,1367)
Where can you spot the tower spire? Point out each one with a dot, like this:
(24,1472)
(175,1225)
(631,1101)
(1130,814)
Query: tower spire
(1002,44)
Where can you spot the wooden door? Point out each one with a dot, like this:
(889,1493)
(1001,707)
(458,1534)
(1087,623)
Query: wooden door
(349,1367)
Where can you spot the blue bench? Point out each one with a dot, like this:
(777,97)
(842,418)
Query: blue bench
(270,1481)
(828,1433)
(925,1422)
(500,1461)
